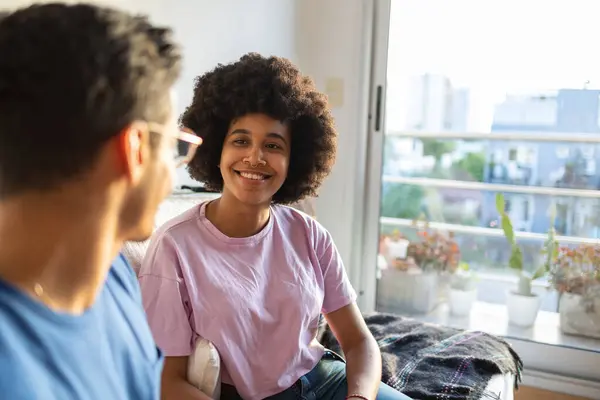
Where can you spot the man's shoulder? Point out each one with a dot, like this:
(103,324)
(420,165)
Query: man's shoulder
(122,275)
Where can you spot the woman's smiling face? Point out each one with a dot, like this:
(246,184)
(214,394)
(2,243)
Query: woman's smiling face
(255,158)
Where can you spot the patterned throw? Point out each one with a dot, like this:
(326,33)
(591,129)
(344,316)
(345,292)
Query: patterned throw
(431,362)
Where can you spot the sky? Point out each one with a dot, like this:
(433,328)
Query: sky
(494,47)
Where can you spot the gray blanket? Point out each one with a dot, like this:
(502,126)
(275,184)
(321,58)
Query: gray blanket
(431,362)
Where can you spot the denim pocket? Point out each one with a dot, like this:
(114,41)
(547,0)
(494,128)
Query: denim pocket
(327,378)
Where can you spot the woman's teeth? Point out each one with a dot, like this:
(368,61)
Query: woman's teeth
(256,177)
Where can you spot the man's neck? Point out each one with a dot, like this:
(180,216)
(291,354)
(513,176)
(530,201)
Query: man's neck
(235,219)
(57,248)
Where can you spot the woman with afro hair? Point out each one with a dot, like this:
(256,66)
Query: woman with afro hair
(247,272)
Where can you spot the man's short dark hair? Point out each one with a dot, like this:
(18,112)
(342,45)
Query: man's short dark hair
(71,78)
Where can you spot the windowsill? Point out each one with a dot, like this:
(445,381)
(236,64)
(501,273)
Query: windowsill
(492,318)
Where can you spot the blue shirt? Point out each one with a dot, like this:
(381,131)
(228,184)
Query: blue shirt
(107,353)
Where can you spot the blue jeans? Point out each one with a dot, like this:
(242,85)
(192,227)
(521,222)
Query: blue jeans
(326,381)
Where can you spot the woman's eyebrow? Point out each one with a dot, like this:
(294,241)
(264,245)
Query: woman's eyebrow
(243,131)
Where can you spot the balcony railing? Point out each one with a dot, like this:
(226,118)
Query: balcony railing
(583,138)
(492,187)
(574,137)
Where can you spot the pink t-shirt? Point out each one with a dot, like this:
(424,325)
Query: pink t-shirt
(257,299)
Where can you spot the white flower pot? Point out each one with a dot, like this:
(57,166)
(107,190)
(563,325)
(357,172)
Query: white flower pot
(407,292)
(522,310)
(578,318)
(444,279)
(461,301)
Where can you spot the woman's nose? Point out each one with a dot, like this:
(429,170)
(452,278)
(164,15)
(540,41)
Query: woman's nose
(256,155)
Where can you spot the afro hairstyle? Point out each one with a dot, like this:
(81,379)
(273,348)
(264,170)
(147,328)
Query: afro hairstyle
(263,85)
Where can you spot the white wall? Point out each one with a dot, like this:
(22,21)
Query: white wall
(333,44)
(213,32)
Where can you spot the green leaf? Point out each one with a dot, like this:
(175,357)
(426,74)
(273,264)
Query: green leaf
(516,255)
(500,205)
(516,258)
(508,229)
(505,222)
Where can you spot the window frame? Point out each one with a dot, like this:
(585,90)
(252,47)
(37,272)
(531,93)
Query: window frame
(542,370)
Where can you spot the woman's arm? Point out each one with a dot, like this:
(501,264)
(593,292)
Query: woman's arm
(174,384)
(168,311)
(363,359)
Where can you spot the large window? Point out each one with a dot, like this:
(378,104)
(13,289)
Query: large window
(483,98)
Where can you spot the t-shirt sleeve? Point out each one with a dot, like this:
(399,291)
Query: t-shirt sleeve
(338,292)
(165,298)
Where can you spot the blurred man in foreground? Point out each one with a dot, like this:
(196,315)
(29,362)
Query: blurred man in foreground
(87,143)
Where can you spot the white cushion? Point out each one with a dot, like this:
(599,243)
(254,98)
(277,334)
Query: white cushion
(134,253)
(204,369)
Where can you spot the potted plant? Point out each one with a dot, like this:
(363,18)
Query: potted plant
(416,284)
(435,251)
(575,274)
(463,290)
(522,304)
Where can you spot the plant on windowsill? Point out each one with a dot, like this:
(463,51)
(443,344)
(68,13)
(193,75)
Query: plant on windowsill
(522,304)
(463,290)
(435,251)
(575,274)
(420,281)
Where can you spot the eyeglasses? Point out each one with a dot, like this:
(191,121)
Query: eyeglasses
(187,142)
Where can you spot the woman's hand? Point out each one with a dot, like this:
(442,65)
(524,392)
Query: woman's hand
(174,384)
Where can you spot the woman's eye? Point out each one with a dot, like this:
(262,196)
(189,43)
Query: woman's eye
(240,141)
(273,146)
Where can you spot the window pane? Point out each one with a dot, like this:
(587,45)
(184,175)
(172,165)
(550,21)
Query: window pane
(459,75)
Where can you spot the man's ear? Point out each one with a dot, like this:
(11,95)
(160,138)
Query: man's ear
(134,149)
